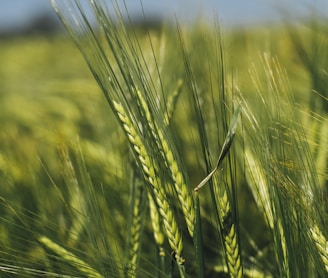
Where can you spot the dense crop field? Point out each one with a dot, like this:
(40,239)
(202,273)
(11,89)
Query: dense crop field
(101,171)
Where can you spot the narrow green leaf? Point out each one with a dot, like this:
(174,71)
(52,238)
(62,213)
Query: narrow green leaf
(225,148)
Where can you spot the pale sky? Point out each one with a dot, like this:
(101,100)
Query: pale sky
(231,12)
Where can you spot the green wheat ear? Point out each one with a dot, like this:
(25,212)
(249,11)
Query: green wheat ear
(172,101)
(69,257)
(135,227)
(171,161)
(156,224)
(228,232)
(233,253)
(321,244)
(148,170)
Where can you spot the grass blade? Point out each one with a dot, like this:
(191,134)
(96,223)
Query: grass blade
(225,148)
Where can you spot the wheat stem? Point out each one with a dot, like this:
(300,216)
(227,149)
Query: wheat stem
(77,201)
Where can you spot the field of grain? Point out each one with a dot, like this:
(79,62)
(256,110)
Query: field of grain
(164,152)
